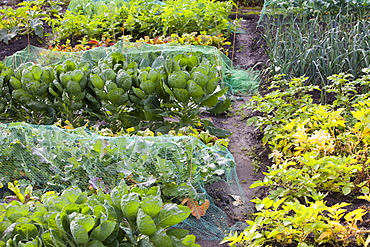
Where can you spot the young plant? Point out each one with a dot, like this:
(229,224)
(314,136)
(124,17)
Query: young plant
(127,217)
(286,223)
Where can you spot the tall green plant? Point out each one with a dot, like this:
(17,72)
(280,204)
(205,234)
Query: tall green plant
(317,47)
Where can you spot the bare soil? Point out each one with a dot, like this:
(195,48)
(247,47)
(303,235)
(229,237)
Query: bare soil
(250,156)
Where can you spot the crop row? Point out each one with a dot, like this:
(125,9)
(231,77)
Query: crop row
(116,91)
(87,20)
(318,52)
(318,152)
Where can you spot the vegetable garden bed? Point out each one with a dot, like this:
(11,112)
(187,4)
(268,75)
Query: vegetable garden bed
(311,188)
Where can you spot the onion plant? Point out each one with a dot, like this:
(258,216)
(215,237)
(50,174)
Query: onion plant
(317,47)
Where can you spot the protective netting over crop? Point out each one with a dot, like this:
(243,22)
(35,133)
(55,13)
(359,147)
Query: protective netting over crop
(51,158)
(145,55)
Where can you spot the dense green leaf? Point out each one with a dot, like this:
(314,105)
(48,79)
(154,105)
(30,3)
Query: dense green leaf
(26,231)
(145,223)
(178,232)
(172,214)
(130,206)
(151,206)
(102,231)
(161,239)
(80,226)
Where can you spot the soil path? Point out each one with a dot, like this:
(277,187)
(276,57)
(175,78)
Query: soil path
(245,143)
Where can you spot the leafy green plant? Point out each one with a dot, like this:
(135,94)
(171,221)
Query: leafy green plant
(30,93)
(123,91)
(179,165)
(280,105)
(306,226)
(125,217)
(309,177)
(218,41)
(91,20)
(84,46)
(309,142)
(26,19)
(5,75)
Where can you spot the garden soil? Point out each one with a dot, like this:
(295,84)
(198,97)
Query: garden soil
(251,159)
(250,156)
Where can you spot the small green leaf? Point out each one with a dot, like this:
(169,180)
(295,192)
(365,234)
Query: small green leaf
(181,95)
(80,226)
(73,88)
(211,85)
(190,241)
(26,231)
(200,78)
(177,80)
(102,231)
(116,96)
(172,214)
(57,240)
(145,224)
(221,106)
(14,212)
(152,206)
(118,192)
(161,239)
(72,194)
(194,89)
(97,81)
(177,233)
(147,86)
(346,190)
(124,80)
(139,93)
(95,243)
(130,206)
(210,101)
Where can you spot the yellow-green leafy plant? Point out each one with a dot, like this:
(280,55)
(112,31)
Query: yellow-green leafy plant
(279,221)
(317,150)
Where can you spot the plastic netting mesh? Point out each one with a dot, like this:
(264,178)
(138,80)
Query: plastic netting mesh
(238,81)
(51,158)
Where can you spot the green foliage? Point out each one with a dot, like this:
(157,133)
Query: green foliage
(314,7)
(26,19)
(5,75)
(309,177)
(339,45)
(55,160)
(119,90)
(193,38)
(301,225)
(76,218)
(316,150)
(92,20)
